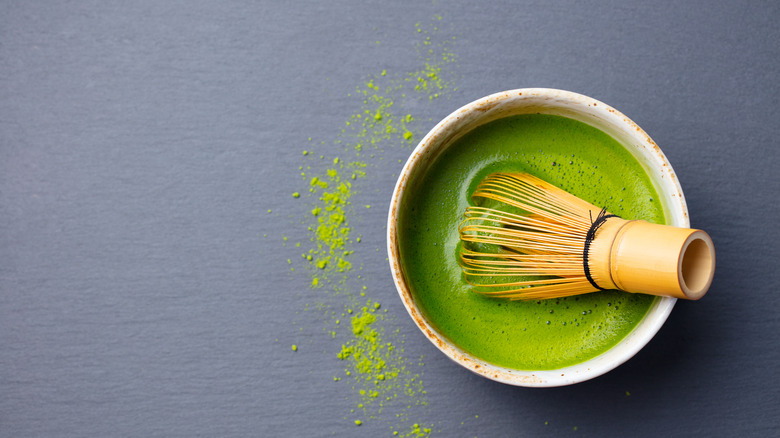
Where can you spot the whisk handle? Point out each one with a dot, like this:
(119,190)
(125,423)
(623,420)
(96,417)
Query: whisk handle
(662,260)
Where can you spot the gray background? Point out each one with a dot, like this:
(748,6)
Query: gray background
(144,288)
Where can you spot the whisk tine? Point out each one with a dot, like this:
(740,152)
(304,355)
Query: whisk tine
(524,191)
(538,250)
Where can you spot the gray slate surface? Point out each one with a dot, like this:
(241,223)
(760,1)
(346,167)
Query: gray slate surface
(142,143)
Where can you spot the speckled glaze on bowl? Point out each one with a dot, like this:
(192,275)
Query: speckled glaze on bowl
(555,102)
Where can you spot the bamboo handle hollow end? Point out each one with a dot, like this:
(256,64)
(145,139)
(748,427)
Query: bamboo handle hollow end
(662,260)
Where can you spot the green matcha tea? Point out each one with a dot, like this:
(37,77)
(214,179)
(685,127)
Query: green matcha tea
(535,335)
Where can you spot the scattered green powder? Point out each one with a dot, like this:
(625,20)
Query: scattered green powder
(415,431)
(386,385)
(382,373)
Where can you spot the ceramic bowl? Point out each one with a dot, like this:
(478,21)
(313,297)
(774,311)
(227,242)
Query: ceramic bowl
(545,101)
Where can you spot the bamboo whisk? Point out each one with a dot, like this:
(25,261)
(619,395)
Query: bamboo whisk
(542,242)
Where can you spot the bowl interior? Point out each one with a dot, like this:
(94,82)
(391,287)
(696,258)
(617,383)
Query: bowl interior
(554,102)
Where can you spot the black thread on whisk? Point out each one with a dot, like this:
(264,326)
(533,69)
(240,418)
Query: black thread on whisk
(594,226)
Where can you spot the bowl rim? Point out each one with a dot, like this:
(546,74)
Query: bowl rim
(549,100)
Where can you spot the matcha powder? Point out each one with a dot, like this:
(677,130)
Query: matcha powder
(375,376)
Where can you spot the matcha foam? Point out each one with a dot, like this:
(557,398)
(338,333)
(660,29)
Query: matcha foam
(535,335)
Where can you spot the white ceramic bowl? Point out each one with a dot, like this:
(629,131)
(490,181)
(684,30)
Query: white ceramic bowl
(574,106)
